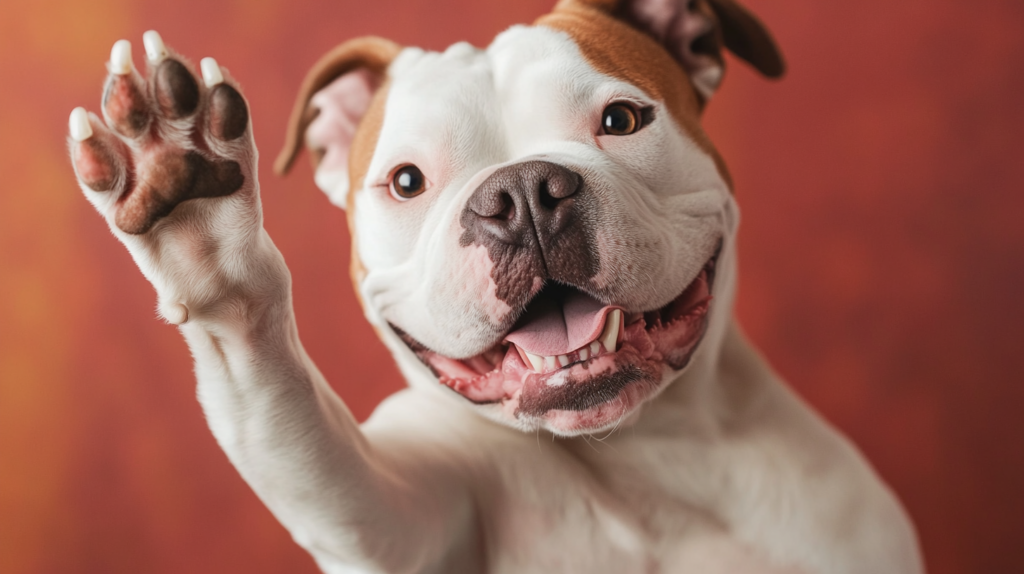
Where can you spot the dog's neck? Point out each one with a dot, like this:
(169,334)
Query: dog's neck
(698,401)
(719,398)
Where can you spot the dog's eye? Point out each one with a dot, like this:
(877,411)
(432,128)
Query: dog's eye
(620,120)
(408,182)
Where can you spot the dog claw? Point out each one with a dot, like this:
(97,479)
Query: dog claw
(121,58)
(156,51)
(78,125)
(211,72)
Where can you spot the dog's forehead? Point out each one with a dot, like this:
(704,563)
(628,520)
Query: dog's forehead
(529,84)
(518,62)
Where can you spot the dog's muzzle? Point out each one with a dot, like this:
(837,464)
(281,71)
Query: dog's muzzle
(530,218)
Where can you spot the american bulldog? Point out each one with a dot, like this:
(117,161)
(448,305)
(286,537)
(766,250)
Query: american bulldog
(545,238)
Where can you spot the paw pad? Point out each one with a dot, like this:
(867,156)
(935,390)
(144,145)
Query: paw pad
(165,140)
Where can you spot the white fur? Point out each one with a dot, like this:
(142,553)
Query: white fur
(725,471)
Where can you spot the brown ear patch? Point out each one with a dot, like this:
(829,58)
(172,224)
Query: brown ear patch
(745,36)
(370,52)
(616,49)
(363,145)
(737,28)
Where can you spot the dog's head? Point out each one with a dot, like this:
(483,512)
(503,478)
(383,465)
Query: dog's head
(541,226)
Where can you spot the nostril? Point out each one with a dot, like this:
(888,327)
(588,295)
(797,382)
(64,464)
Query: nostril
(508,208)
(552,190)
(548,200)
(518,201)
(496,204)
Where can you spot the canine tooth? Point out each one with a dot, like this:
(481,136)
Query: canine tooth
(611,330)
(595,348)
(211,72)
(154,44)
(584,354)
(121,58)
(549,363)
(536,361)
(563,360)
(78,125)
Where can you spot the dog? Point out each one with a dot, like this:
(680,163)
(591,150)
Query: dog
(545,238)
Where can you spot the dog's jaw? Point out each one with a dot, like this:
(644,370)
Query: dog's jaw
(625,361)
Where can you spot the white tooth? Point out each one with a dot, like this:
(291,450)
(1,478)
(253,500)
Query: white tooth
(78,125)
(156,51)
(211,72)
(563,360)
(595,348)
(584,354)
(549,363)
(536,361)
(121,58)
(611,330)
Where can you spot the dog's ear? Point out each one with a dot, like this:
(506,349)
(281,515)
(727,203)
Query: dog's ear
(694,32)
(334,97)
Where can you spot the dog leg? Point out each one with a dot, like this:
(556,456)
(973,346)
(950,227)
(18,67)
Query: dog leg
(171,166)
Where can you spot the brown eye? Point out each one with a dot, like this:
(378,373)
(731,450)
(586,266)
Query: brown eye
(408,182)
(620,120)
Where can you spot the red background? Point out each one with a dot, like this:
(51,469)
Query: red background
(881,184)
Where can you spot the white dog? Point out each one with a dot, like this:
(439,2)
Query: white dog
(545,239)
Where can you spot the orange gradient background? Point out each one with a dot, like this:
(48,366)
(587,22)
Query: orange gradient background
(882,259)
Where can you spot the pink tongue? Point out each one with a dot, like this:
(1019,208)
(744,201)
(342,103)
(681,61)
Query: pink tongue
(552,329)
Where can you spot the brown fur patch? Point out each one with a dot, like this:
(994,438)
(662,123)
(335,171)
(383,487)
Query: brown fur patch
(364,143)
(374,54)
(616,49)
(370,52)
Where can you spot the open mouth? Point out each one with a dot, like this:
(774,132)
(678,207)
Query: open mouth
(570,354)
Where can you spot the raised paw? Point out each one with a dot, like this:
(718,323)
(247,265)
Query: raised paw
(164,139)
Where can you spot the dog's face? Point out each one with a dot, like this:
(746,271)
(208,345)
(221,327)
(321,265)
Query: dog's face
(537,223)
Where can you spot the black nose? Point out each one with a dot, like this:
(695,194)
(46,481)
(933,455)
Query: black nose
(520,200)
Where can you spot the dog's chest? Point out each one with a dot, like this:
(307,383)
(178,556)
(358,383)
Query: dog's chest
(574,522)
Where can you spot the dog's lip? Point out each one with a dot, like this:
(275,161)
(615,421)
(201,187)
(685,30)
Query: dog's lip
(630,317)
(667,336)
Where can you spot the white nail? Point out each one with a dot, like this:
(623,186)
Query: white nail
(78,125)
(175,313)
(121,58)
(156,51)
(211,72)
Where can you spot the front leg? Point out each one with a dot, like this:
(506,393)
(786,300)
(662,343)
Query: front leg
(172,169)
